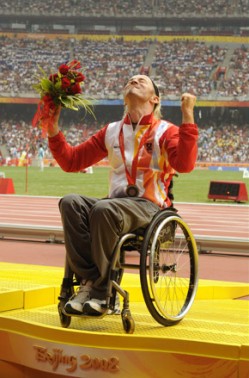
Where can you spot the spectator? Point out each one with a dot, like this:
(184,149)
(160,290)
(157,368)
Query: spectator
(41,154)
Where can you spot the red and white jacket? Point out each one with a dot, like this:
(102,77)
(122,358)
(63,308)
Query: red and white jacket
(166,148)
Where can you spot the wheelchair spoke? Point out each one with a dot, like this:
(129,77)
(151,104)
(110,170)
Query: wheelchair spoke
(171,275)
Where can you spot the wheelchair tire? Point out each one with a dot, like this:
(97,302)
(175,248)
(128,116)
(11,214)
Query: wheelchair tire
(168,268)
(128,321)
(67,290)
(64,319)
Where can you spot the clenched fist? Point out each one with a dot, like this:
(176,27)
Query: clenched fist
(187,105)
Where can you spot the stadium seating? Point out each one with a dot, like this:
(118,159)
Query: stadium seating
(176,65)
(200,59)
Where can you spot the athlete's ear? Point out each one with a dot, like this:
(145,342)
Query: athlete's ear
(155,100)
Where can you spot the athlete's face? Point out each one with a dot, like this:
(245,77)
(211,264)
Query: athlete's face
(140,86)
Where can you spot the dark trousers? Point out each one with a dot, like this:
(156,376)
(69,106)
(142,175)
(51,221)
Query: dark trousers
(92,228)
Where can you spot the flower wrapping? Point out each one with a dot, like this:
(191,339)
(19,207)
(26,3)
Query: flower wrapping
(63,88)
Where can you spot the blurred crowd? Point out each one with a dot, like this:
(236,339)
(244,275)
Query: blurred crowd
(177,66)
(187,66)
(223,143)
(125,7)
(210,71)
(237,82)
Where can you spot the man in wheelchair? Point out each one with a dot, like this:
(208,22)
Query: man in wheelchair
(144,152)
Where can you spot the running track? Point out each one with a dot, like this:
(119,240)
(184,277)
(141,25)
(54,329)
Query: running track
(213,220)
(217,220)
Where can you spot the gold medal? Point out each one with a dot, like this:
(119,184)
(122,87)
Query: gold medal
(132,191)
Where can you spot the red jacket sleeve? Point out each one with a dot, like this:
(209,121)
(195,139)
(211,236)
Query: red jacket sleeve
(181,146)
(75,158)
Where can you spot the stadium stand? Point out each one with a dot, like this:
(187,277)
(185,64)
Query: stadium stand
(177,65)
(116,8)
(217,143)
(194,46)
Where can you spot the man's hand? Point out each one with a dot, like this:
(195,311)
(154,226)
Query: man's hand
(187,106)
(56,113)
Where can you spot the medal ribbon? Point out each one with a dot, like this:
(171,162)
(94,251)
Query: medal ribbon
(131,177)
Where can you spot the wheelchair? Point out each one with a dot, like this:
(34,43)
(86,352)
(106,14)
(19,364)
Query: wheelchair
(168,268)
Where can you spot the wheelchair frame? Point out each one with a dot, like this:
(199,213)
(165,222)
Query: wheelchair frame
(168,270)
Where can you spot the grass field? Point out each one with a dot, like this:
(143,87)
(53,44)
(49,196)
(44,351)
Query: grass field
(191,187)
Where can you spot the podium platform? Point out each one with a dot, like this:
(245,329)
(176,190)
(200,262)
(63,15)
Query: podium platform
(211,341)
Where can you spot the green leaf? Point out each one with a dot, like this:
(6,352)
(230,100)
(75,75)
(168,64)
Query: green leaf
(46,85)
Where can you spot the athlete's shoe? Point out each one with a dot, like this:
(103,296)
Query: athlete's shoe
(75,304)
(96,307)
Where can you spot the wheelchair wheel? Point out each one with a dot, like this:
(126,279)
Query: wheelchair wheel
(168,268)
(128,321)
(67,290)
(64,319)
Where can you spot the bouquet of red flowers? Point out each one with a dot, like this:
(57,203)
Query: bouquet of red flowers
(62,88)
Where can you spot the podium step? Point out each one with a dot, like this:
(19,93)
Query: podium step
(211,341)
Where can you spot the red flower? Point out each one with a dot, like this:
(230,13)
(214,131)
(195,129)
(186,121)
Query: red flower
(54,91)
(80,77)
(53,77)
(63,69)
(76,88)
(75,64)
(65,83)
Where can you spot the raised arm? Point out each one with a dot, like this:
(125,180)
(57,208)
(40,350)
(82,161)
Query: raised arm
(181,142)
(187,107)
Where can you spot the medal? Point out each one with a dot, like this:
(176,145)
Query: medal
(132,190)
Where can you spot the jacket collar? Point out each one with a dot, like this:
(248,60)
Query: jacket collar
(145,120)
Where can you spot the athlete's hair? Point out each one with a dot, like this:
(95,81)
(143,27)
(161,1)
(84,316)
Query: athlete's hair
(157,107)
